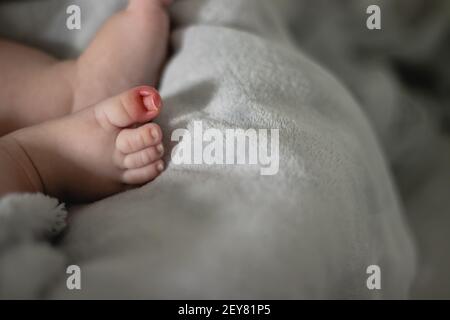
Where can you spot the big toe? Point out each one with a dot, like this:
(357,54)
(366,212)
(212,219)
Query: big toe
(135,106)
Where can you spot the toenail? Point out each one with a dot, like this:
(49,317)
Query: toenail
(160,148)
(155,133)
(160,166)
(156,100)
(149,103)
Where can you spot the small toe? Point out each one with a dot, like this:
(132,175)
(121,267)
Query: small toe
(144,174)
(133,140)
(144,157)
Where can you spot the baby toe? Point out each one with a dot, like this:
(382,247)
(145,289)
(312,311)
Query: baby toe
(144,174)
(144,157)
(133,140)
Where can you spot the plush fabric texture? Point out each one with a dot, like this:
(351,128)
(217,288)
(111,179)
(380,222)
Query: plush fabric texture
(227,232)
(29,265)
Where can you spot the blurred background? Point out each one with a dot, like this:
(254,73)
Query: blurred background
(401,77)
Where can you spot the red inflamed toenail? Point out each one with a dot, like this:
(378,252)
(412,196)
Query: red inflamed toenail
(144,93)
(151,100)
(148,102)
(156,100)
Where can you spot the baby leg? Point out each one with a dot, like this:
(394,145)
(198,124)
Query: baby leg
(128,51)
(34,86)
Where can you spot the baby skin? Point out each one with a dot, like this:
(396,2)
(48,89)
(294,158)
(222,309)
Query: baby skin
(74,129)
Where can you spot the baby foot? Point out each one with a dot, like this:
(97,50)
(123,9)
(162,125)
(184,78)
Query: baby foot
(129,50)
(98,151)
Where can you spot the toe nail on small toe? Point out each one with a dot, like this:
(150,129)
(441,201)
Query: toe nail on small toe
(155,133)
(160,166)
(160,148)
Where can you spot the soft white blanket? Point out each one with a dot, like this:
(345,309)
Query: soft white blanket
(206,231)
